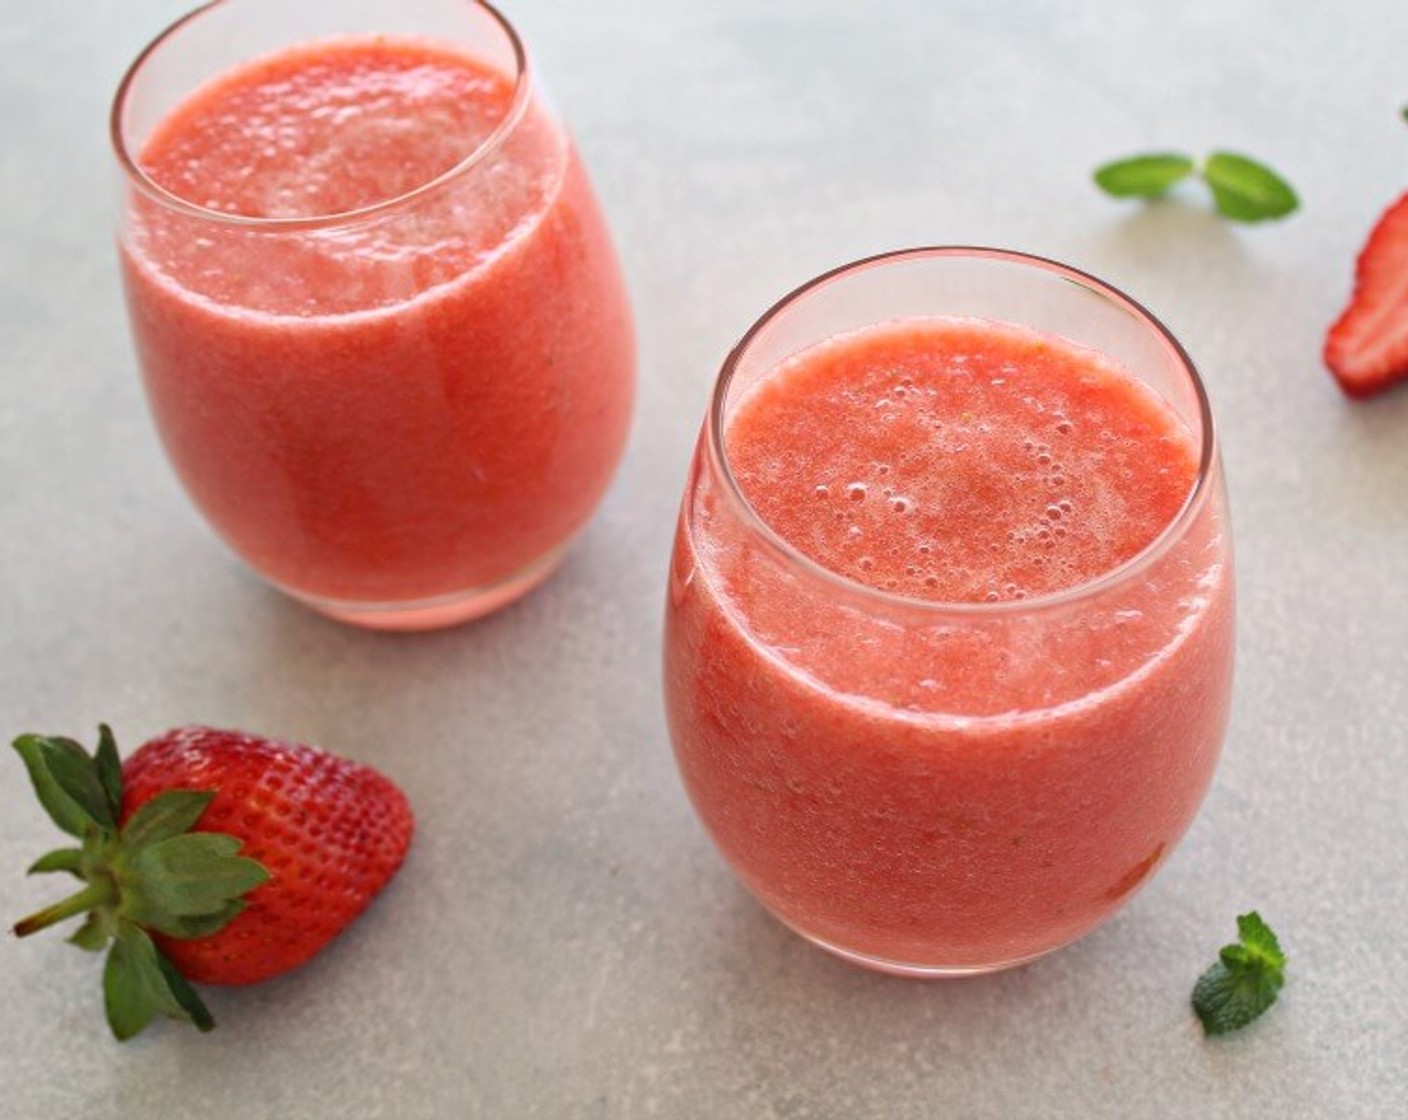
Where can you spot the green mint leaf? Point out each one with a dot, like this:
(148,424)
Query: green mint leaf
(75,803)
(1143,176)
(109,768)
(1258,939)
(166,815)
(1227,999)
(61,859)
(1245,190)
(1244,982)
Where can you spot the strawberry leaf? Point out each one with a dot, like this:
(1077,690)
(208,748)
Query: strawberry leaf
(93,934)
(77,774)
(60,859)
(180,988)
(67,784)
(1245,190)
(188,926)
(125,998)
(193,875)
(135,990)
(139,984)
(109,770)
(166,815)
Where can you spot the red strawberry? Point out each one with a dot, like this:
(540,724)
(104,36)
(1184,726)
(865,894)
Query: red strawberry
(1367,348)
(212,856)
(330,833)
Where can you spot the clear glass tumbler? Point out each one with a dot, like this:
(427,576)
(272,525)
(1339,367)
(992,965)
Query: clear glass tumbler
(940,788)
(381,324)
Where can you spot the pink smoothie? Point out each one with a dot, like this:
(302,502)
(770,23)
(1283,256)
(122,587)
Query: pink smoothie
(422,402)
(930,788)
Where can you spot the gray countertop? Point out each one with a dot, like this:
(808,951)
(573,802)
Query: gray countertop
(563,941)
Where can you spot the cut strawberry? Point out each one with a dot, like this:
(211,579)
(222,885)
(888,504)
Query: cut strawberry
(1367,348)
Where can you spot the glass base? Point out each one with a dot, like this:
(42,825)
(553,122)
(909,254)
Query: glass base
(440,611)
(908,969)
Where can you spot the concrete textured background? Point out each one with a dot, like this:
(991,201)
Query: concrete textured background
(563,941)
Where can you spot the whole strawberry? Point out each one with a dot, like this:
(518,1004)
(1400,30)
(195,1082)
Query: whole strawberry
(212,856)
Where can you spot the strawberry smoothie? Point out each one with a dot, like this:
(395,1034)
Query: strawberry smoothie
(403,412)
(913,725)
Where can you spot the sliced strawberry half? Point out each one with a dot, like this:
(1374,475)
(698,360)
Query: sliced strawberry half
(1367,348)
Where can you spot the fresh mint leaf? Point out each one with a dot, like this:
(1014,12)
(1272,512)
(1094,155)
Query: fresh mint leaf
(1245,190)
(1244,982)
(1257,937)
(1242,188)
(1143,176)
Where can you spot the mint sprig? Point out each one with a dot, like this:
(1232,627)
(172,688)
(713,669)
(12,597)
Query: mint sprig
(1244,982)
(1242,188)
(153,874)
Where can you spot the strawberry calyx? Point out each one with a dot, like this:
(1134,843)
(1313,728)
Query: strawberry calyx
(150,874)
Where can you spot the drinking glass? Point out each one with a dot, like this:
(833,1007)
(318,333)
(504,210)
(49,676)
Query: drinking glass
(943,788)
(400,413)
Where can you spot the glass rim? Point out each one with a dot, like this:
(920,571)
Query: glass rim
(138,178)
(1172,532)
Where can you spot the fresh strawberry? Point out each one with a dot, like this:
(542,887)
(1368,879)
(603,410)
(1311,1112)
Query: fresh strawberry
(212,856)
(1367,348)
(331,834)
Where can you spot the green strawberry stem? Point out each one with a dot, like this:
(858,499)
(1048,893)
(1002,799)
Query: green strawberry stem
(90,897)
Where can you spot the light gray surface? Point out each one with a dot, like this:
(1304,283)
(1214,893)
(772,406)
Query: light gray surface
(563,940)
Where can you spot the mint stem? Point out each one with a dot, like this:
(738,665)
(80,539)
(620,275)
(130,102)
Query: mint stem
(92,896)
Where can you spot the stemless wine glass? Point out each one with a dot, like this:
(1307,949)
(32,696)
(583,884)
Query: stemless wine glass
(398,409)
(943,788)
